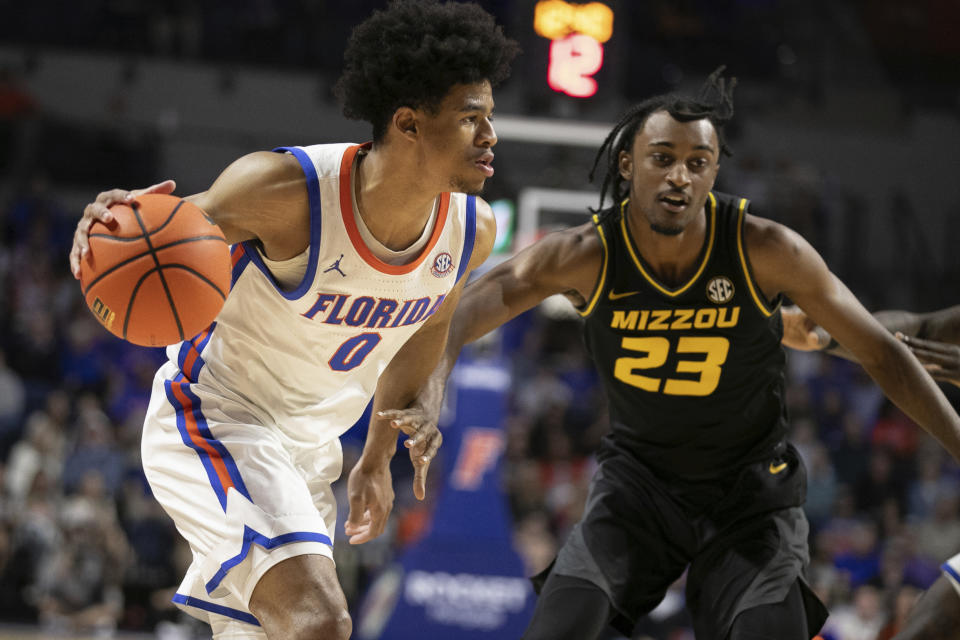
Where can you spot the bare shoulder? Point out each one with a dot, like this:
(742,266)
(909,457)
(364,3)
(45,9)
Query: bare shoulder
(262,195)
(762,235)
(778,255)
(261,175)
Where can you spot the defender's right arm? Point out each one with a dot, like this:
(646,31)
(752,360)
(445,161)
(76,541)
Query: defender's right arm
(261,195)
(567,262)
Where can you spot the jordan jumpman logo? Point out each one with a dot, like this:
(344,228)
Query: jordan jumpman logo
(336,267)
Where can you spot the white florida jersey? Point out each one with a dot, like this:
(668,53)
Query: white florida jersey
(307,360)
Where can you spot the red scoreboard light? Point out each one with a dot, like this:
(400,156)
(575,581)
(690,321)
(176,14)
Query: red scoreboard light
(577,32)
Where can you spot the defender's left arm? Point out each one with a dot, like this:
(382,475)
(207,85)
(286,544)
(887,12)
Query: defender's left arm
(933,337)
(370,486)
(783,262)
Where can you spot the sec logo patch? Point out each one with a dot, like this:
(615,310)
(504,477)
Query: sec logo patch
(442,265)
(720,290)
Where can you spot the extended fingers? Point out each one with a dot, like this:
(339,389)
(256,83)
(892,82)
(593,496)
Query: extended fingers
(358,528)
(421,456)
(929,356)
(367,527)
(930,345)
(375,521)
(420,467)
(93,212)
(411,422)
(943,375)
(425,442)
(167,186)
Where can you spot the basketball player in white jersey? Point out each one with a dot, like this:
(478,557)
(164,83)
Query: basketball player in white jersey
(934,338)
(348,261)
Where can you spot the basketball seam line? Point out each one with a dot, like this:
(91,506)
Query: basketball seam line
(145,253)
(163,281)
(146,233)
(177,265)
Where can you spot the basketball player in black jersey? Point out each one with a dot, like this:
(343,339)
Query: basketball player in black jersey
(934,338)
(680,290)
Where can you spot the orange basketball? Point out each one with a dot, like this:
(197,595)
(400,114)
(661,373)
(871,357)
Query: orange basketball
(159,273)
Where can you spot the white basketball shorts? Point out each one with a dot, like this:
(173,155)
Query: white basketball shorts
(241,492)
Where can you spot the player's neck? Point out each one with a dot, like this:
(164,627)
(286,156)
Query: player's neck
(673,258)
(393,205)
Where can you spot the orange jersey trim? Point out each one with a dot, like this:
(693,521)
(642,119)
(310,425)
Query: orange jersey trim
(346,210)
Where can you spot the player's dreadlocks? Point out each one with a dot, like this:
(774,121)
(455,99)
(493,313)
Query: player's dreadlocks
(412,53)
(713,102)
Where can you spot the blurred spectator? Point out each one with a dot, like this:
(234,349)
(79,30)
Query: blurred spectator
(902,602)
(93,449)
(851,452)
(151,535)
(861,620)
(40,451)
(861,560)
(803,435)
(821,486)
(930,484)
(534,541)
(544,391)
(82,364)
(12,404)
(35,536)
(34,353)
(79,583)
(877,485)
(895,432)
(938,538)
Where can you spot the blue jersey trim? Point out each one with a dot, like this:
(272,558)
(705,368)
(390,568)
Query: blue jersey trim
(197,603)
(951,571)
(313,194)
(251,537)
(191,345)
(469,238)
(240,264)
(203,431)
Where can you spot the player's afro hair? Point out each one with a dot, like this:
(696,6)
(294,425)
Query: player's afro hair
(713,102)
(413,52)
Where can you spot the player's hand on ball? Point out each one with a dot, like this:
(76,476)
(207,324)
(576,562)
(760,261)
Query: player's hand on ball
(941,359)
(423,441)
(370,492)
(800,332)
(99,209)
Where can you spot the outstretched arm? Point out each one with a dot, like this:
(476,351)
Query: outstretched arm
(564,262)
(784,262)
(933,337)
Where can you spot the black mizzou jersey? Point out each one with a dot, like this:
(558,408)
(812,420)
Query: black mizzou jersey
(694,373)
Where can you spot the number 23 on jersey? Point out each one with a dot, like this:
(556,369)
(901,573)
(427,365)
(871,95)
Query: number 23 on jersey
(709,354)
